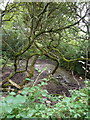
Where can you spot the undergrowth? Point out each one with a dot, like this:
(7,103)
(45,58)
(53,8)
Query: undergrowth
(35,102)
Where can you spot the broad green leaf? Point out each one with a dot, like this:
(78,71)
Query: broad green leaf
(10,116)
(19,99)
(12,93)
(43,83)
(8,109)
(28,79)
(1,109)
(39,70)
(30,113)
(25,92)
(22,114)
(9,99)
(83,94)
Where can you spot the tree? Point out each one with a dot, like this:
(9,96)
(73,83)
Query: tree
(43,27)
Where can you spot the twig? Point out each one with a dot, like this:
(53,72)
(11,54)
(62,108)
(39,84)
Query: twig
(14,84)
(75,78)
(38,76)
(7,89)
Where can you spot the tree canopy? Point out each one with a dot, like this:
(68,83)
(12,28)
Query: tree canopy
(46,29)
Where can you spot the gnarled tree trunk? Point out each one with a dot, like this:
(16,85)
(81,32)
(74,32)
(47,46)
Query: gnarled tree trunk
(30,72)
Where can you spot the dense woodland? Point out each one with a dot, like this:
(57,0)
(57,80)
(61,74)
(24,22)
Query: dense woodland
(39,34)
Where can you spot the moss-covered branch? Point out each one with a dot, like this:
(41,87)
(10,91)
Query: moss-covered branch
(71,60)
(56,67)
(31,70)
(50,55)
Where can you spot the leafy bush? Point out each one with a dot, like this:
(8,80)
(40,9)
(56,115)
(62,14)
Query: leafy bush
(12,42)
(36,102)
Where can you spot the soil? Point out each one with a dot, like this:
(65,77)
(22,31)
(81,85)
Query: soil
(62,87)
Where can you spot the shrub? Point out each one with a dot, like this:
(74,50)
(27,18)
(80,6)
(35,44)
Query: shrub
(35,102)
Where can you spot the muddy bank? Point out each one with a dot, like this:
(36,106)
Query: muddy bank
(66,80)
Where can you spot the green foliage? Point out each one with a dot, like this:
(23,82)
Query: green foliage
(35,102)
(43,57)
(29,23)
(41,70)
(4,61)
(72,49)
(29,79)
(12,42)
